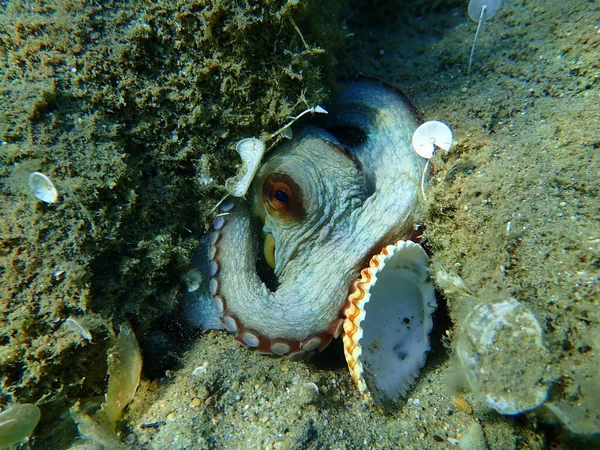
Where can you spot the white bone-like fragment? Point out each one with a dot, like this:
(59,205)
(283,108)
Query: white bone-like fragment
(251,150)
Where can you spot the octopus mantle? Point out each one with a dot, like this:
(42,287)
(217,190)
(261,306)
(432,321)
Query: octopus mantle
(282,261)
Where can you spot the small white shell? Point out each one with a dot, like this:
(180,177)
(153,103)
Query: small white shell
(42,187)
(251,150)
(388,322)
(500,348)
(192,279)
(430,135)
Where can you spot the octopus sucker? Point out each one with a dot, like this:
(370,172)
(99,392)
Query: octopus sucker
(291,263)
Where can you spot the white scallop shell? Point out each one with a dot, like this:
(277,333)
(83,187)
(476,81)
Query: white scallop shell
(388,322)
(251,150)
(42,187)
(501,350)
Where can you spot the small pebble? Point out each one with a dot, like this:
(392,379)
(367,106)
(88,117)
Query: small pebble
(473,438)
(202,393)
(462,405)
(196,402)
(306,393)
(198,371)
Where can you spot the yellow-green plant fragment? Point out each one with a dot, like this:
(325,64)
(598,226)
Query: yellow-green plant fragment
(93,433)
(124,370)
(18,422)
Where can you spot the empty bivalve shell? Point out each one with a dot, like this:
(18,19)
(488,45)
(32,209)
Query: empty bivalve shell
(500,348)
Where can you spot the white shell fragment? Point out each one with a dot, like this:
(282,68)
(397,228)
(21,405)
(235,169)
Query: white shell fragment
(388,322)
(78,326)
(42,187)
(431,135)
(251,150)
(193,280)
(499,346)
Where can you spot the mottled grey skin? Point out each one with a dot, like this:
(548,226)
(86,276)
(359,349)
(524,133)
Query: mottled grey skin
(350,212)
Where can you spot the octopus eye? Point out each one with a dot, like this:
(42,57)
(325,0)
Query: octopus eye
(282,197)
(279,198)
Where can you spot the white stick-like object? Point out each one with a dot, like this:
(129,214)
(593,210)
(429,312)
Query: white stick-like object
(481,18)
(315,109)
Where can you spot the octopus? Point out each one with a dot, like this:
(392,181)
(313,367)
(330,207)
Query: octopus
(282,261)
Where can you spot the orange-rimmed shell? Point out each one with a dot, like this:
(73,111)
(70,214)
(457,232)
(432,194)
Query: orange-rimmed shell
(388,321)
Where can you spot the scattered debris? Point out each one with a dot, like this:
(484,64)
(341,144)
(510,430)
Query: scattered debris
(205,177)
(199,371)
(94,433)
(473,438)
(152,425)
(59,275)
